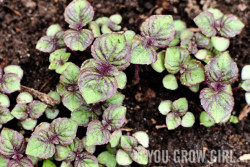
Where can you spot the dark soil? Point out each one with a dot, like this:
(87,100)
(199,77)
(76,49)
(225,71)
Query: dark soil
(23,22)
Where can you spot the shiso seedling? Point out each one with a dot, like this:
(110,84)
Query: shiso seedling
(28,111)
(156,32)
(52,112)
(176,113)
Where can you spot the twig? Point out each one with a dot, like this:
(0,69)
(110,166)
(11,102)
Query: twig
(244,112)
(127,129)
(41,96)
(194,29)
(45,84)
(137,76)
(160,126)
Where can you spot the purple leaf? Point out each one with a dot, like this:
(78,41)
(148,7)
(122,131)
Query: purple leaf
(97,134)
(12,144)
(24,162)
(5,115)
(19,112)
(114,116)
(9,83)
(142,51)
(140,155)
(36,109)
(40,145)
(47,44)
(206,23)
(96,87)
(201,40)
(128,143)
(112,49)
(218,104)
(222,69)
(85,160)
(72,100)
(64,130)
(230,26)
(78,40)
(105,69)
(78,13)
(159,28)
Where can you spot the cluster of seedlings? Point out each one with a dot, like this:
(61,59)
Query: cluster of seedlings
(90,92)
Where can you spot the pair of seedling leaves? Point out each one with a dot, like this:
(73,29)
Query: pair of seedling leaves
(10,78)
(77,14)
(245,76)
(124,149)
(176,113)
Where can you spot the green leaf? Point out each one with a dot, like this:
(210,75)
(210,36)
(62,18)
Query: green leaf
(4,100)
(95,87)
(222,69)
(116,18)
(82,115)
(94,27)
(205,22)
(62,152)
(230,26)
(14,69)
(142,52)
(179,25)
(54,95)
(29,124)
(188,120)
(206,120)
(142,138)
(201,54)
(234,119)
(96,134)
(89,149)
(40,146)
(186,35)
(170,82)
(107,159)
(158,66)
(246,85)
(65,130)
(117,99)
(247,97)
(121,79)
(129,35)
(180,105)
(48,163)
(53,30)
(5,115)
(165,107)
(220,43)
(3,161)
(123,158)
(218,104)
(66,164)
(78,40)
(194,88)
(193,73)
(140,155)
(175,57)
(172,121)
(24,98)
(115,138)
(159,28)
(245,74)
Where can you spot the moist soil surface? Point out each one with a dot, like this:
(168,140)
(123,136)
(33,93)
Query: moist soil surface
(23,22)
